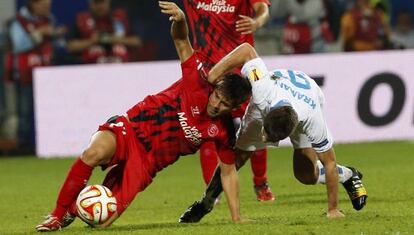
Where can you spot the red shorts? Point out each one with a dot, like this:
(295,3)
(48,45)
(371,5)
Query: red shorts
(131,172)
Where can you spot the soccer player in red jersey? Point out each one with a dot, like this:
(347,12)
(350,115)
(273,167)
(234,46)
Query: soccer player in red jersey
(102,35)
(156,131)
(219,26)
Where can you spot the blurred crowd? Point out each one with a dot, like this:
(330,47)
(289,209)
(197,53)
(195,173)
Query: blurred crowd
(318,26)
(46,32)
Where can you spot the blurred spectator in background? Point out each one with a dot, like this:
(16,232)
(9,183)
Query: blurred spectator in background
(398,6)
(403,33)
(334,11)
(102,35)
(2,97)
(306,29)
(30,44)
(363,28)
(382,11)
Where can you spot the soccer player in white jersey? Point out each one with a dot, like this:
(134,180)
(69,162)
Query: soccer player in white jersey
(285,103)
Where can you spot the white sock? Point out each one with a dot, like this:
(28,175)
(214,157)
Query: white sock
(344,173)
(321,170)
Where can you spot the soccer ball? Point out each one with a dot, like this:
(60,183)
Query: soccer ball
(95,204)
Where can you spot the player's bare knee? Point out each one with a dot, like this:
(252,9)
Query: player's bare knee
(308,179)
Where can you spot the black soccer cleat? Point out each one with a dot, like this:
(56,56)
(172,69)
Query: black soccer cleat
(356,189)
(194,213)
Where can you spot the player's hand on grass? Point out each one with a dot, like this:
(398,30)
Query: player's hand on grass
(172,9)
(246,25)
(334,214)
(243,221)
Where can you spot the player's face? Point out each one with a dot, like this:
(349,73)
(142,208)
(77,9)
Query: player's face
(100,7)
(217,104)
(41,7)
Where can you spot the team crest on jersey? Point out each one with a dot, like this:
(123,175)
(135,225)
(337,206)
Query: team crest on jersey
(213,130)
(216,6)
(191,132)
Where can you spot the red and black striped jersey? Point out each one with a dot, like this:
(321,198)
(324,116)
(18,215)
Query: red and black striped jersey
(213,25)
(174,122)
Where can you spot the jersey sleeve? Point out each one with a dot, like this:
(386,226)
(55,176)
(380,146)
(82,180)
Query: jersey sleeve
(225,141)
(260,78)
(189,64)
(193,69)
(249,135)
(226,154)
(225,150)
(317,131)
(255,70)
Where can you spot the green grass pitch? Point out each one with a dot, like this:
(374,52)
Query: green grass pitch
(29,186)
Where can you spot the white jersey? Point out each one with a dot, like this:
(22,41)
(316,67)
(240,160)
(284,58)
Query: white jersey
(277,88)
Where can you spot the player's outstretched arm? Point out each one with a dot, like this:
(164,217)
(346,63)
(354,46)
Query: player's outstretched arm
(261,12)
(230,182)
(234,59)
(248,25)
(179,29)
(328,160)
(214,188)
(202,207)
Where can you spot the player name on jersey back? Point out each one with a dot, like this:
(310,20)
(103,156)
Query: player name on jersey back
(297,94)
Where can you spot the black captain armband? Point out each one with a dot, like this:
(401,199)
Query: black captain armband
(112,119)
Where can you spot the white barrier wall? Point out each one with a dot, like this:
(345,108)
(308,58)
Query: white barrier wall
(370,96)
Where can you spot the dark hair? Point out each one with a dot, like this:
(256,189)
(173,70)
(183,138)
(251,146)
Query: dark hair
(235,88)
(279,123)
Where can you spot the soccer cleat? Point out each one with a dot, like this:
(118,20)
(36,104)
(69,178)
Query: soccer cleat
(194,213)
(217,201)
(356,189)
(67,219)
(263,192)
(52,223)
